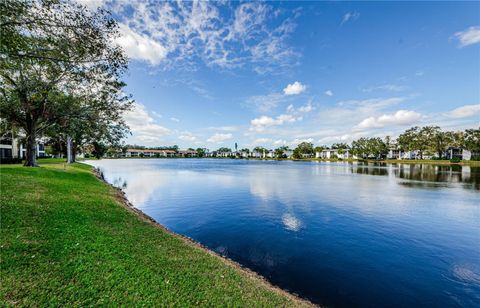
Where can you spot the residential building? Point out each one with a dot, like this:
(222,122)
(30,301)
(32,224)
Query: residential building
(149,153)
(12,148)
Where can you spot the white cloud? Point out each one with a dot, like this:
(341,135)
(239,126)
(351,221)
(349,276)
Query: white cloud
(140,47)
(220,34)
(174,119)
(350,16)
(306,108)
(469,36)
(329,93)
(263,122)
(266,103)
(465,111)
(219,138)
(143,126)
(401,117)
(294,88)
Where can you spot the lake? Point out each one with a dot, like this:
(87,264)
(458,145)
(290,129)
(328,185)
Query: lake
(339,234)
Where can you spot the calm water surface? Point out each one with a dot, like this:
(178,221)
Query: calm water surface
(339,234)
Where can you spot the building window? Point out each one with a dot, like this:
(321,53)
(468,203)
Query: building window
(5,153)
(6,141)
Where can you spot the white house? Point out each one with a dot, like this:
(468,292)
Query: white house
(12,148)
(288,153)
(256,154)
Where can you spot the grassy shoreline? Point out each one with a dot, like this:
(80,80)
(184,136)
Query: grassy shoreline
(69,239)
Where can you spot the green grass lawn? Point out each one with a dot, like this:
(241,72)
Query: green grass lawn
(67,240)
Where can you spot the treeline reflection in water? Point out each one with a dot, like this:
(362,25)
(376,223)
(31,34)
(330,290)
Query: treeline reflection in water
(423,175)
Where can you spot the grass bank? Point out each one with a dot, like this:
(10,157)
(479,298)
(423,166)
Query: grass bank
(66,239)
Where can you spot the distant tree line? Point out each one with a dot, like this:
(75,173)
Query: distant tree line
(431,140)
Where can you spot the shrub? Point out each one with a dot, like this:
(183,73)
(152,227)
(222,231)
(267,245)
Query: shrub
(455,160)
(475,158)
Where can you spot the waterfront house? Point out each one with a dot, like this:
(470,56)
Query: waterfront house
(308,155)
(244,154)
(459,153)
(187,153)
(256,154)
(467,155)
(149,153)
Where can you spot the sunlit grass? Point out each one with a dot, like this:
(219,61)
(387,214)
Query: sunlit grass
(66,240)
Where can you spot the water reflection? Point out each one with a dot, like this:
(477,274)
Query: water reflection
(423,176)
(341,234)
(291,222)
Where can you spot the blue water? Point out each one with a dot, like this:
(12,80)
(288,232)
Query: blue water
(339,234)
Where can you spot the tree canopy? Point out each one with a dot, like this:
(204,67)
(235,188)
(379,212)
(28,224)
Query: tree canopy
(59,68)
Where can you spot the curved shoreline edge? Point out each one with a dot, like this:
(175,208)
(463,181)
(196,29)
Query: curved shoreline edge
(125,203)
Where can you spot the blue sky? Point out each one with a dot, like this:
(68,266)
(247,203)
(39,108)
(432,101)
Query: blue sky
(209,74)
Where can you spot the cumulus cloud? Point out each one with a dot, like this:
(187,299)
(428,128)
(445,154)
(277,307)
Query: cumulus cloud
(174,119)
(219,34)
(140,47)
(465,111)
(329,93)
(294,88)
(143,126)
(401,117)
(219,138)
(350,16)
(469,36)
(263,122)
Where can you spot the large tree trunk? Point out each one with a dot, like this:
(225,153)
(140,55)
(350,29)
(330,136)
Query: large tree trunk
(69,150)
(31,151)
(74,152)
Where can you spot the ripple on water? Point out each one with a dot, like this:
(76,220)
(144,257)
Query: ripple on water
(467,273)
(291,222)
